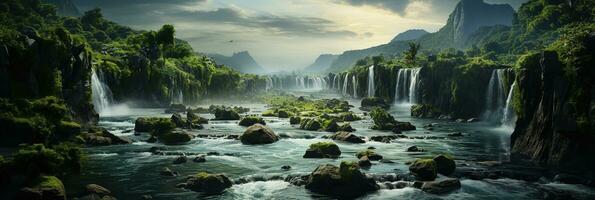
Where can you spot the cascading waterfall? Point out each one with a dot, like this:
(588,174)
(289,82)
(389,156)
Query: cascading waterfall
(495,96)
(406,85)
(354,82)
(371,87)
(176,95)
(269,84)
(509,116)
(345,84)
(102,95)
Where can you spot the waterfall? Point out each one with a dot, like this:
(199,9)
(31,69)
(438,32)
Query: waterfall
(269,84)
(371,88)
(508,113)
(102,95)
(354,82)
(333,84)
(495,98)
(414,79)
(345,84)
(175,94)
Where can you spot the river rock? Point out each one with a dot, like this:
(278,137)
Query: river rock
(323,150)
(152,139)
(208,183)
(345,181)
(98,136)
(168,172)
(414,149)
(364,162)
(176,118)
(97,189)
(46,188)
(226,114)
(294,120)
(424,169)
(371,154)
(175,137)
(383,138)
(283,114)
(180,160)
(259,134)
(445,164)
(347,137)
(368,103)
(311,124)
(285,167)
(251,120)
(441,186)
(199,159)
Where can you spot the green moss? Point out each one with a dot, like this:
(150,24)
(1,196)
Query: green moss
(323,145)
(49,182)
(251,120)
(347,169)
(269,113)
(382,119)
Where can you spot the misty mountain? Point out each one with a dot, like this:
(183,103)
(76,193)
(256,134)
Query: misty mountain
(322,63)
(240,61)
(64,7)
(467,17)
(412,34)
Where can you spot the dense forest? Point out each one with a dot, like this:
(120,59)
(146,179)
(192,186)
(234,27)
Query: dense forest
(528,72)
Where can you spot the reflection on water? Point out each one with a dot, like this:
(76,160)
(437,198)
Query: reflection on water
(129,171)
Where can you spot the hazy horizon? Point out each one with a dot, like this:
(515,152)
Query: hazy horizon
(281,35)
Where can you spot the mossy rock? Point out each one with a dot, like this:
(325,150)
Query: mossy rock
(349,117)
(195,119)
(347,137)
(369,103)
(424,169)
(226,114)
(323,150)
(208,183)
(382,119)
(251,120)
(343,182)
(269,113)
(175,137)
(294,120)
(445,164)
(371,154)
(258,134)
(284,114)
(424,111)
(330,125)
(311,124)
(44,187)
(153,124)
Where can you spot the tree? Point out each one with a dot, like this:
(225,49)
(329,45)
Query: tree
(411,54)
(92,17)
(165,35)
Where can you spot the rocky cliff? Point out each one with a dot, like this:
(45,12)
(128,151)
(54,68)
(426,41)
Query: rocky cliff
(412,34)
(64,7)
(469,15)
(555,111)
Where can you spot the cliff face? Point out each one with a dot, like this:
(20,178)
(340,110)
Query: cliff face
(64,7)
(470,15)
(555,114)
(35,67)
(241,61)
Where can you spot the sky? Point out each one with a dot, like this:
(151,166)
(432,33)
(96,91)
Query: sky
(281,34)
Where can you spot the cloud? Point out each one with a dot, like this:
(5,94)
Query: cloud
(397,6)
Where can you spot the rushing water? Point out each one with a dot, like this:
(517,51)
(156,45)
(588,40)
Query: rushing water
(102,95)
(406,86)
(371,86)
(354,83)
(129,171)
(498,108)
(345,81)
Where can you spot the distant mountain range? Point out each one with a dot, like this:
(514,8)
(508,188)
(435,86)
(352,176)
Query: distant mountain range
(64,7)
(463,22)
(240,61)
(322,63)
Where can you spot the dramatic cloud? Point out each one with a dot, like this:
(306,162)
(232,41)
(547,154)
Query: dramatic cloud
(281,35)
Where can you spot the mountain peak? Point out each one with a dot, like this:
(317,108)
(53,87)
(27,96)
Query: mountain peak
(412,34)
(241,61)
(470,15)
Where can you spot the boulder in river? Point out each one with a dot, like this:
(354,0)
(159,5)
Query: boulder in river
(180,160)
(364,162)
(226,114)
(208,183)
(424,169)
(176,118)
(311,124)
(258,134)
(294,120)
(153,124)
(175,137)
(371,154)
(97,136)
(344,182)
(445,164)
(168,172)
(282,113)
(424,111)
(251,120)
(200,159)
(368,103)
(441,186)
(415,149)
(347,137)
(195,119)
(43,188)
(323,150)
